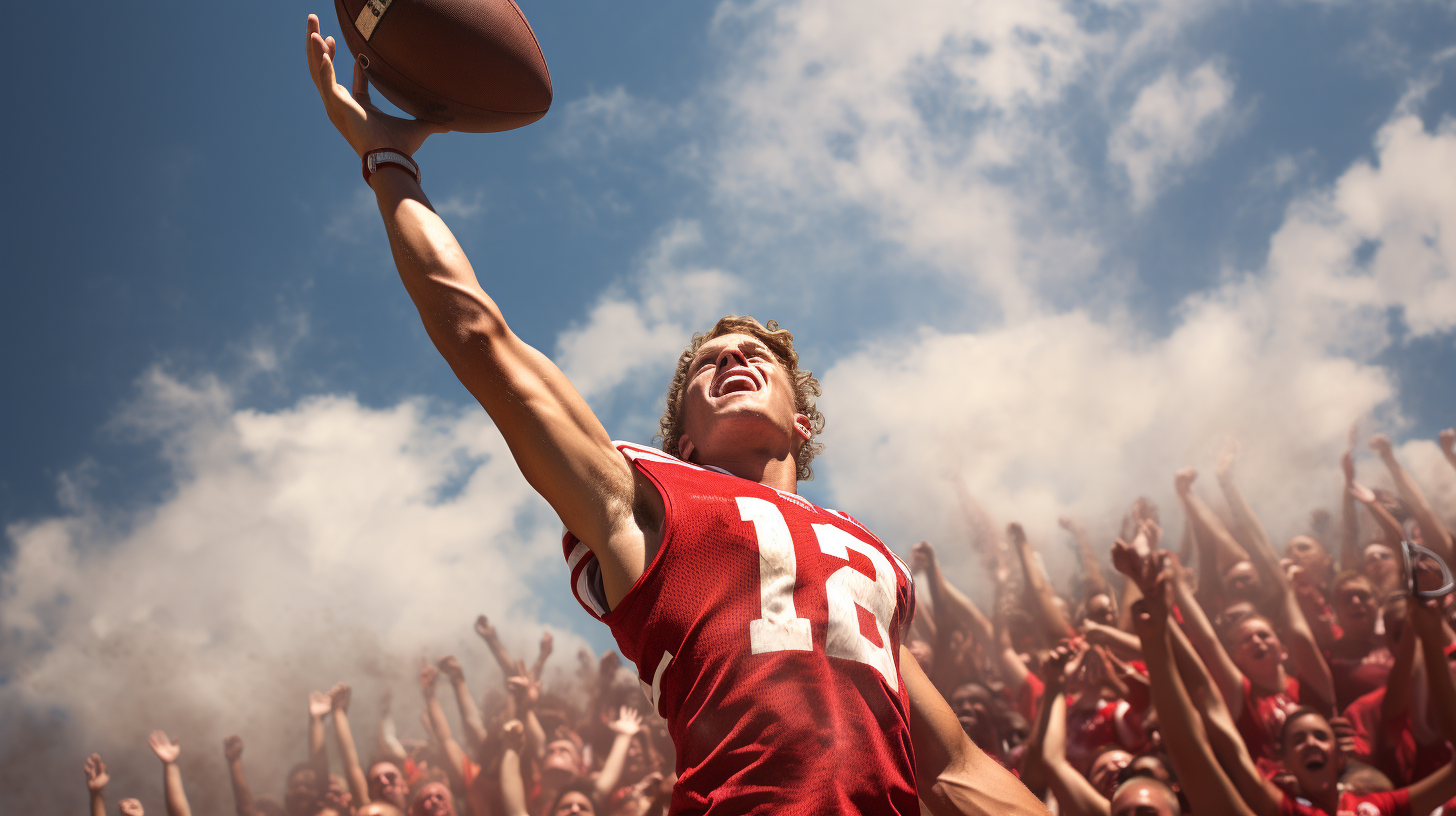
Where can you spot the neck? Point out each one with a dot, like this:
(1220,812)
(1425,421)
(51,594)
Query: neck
(779,472)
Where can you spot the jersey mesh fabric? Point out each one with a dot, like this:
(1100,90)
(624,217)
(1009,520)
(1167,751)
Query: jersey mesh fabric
(782,731)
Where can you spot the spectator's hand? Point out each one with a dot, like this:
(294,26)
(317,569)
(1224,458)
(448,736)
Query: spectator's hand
(450,667)
(513,735)
(428,675)
(484,629)
(232,748)
(922,557)
(319,704)
(1069,524)
(165,748)
(1054,666)
(96,775)
(1380,443)
(1362,493)
(609,665)
(1425,616)
(546,646)
(1015,534)
(130,807)
(1447,441)
(628,722)
(1226,458)
(1183,480)
(525,688)
(339,697)
(1344,735)
(1347,459)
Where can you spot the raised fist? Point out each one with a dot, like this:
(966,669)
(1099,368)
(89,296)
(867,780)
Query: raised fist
(1380,443)
(428,675)
(232,748)
(165,748)
(546,645)
(922,556)
(339,697)
(513,734)
(96,776)
(484,629)
(130,807)
(1183,480)
(450,667)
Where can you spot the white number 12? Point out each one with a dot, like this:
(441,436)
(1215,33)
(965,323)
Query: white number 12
(779,628)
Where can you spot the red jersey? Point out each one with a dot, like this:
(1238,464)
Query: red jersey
(1261,721)
(766,631)
(1380,803)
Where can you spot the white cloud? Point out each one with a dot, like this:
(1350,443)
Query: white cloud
(1175,122)
(642,328)
(327,541)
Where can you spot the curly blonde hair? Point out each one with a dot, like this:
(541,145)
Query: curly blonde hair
(780,342)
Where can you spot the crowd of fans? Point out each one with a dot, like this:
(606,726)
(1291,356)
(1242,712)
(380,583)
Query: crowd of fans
(1221,678)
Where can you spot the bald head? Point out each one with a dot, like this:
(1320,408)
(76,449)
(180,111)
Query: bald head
(1144,796)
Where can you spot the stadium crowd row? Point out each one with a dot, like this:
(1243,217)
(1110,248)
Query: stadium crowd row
(1219,675)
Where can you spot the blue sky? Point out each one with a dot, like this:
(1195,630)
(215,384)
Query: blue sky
(1049,251)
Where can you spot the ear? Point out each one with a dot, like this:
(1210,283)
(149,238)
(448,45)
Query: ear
(685,448)
(803,428)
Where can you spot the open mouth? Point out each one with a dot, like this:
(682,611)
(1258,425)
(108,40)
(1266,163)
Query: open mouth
(736,380)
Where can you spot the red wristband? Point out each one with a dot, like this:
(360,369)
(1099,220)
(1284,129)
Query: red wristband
(379,156)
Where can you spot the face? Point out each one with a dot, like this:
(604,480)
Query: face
(562,760)
(386,783)
(298,792)
(1143,798)
(379,809)
(1241,582)
(1355,605)
(1257,650)
(1379,564)
(1152,766)
(738,395)
(1310,753)
(1104,770)
(433,799)
(972,706)
(1100,610)
(1307,552)
(573,802)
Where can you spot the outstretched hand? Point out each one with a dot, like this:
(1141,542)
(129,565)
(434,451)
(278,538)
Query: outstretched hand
(922,556)
(130,807)
(96,776)
(450,667)
(484,629)
(364,126)
(165,748)
(1380,443)
(523,687)
(319,704)
(628,722)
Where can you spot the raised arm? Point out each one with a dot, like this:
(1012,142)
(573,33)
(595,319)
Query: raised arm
(339,697)
(953,611)
(513,787)
(232,748)
(1396,702)
(1430,792)
(470,720)
(1351,556)
(954,776)
(168,751)
(543,653)
(440,726)
(558,443)
(1447,441)
(498,650)
(96,779)
(526,692)
(1216,545)
(1433,530)
(319,706)
(386,738)
(625,727)
(1259,548)
(1093,581)
(1040,595)
(1198,770)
